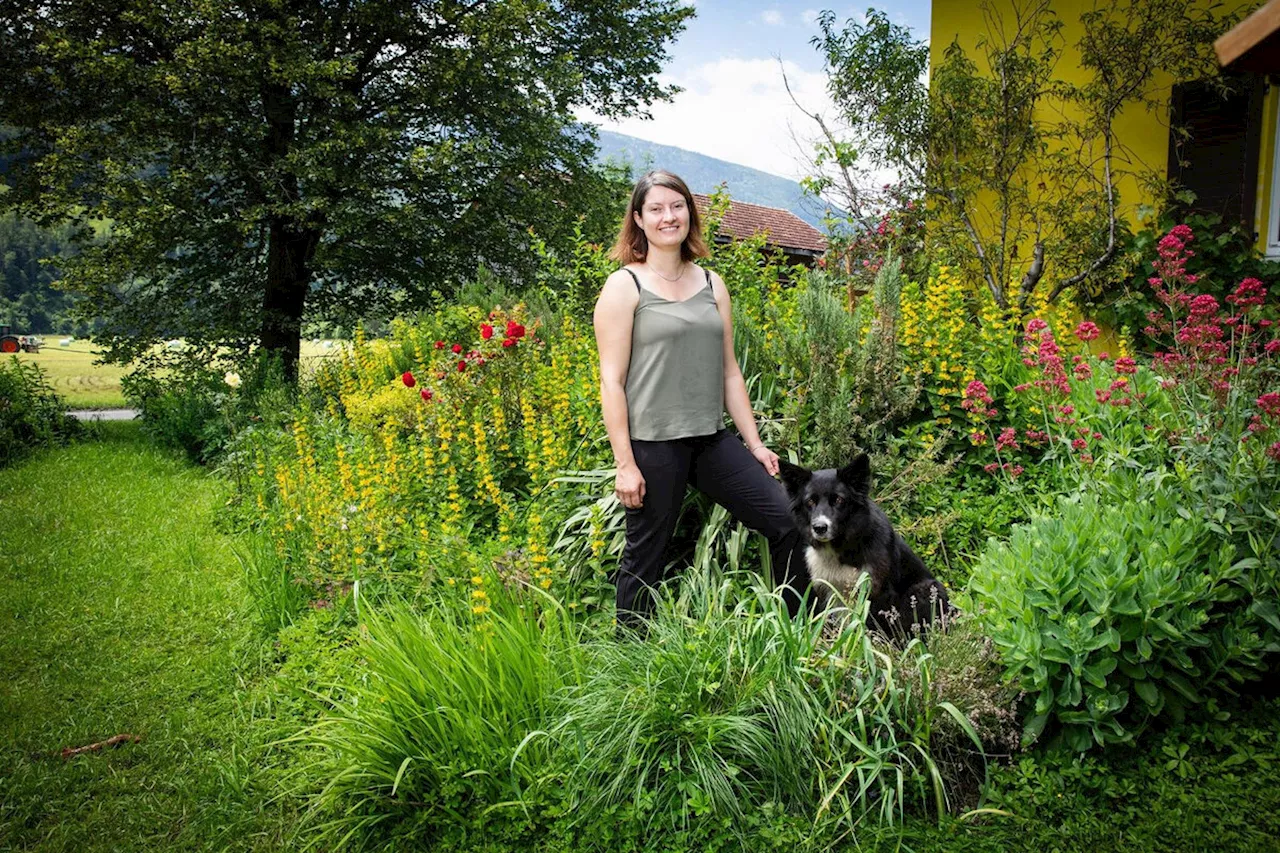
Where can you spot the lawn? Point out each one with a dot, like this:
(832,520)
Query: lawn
(123,614)
(84,384)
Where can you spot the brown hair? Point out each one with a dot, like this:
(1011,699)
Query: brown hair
(633,246)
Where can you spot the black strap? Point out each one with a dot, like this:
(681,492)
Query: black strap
(636,279)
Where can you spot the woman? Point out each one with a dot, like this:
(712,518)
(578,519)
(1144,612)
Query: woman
(668,373)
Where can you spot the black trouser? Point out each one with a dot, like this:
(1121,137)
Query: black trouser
(720,466)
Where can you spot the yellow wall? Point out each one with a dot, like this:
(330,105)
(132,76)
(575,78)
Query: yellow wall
(1145,134)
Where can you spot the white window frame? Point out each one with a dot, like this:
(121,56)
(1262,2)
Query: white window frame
(1273,217)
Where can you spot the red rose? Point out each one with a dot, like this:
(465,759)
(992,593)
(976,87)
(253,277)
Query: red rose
(486,331)
(426,393)
(439,344)
(457,348)
(408,380)
(509,342)
(462,365)
(514,329)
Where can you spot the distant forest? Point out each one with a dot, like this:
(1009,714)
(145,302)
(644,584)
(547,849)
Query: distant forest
(28,301)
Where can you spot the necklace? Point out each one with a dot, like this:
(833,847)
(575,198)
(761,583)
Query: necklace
(678,275)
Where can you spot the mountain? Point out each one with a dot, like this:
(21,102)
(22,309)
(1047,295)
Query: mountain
(703,174)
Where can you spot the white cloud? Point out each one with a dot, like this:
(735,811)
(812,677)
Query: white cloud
(772,17)
(808,17)
(737,110)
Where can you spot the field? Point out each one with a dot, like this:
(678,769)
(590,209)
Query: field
(86,385)
(74,375)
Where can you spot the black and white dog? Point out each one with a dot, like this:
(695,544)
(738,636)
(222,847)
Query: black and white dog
(848,535)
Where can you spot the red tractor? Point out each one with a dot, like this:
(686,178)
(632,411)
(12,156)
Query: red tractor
(17,343)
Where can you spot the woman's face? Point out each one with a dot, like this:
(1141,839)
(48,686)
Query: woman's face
(664,217)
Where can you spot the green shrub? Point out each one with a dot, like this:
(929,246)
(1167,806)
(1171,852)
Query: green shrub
(31,412)
(1108,615)
(439,735)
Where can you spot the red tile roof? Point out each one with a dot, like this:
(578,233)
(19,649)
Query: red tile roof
(785,230)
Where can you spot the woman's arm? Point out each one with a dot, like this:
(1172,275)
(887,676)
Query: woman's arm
(615,310)
(736,401)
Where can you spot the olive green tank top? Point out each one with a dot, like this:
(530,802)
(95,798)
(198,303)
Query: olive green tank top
(675,381)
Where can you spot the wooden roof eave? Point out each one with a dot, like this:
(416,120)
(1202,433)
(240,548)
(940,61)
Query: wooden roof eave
(1254,43)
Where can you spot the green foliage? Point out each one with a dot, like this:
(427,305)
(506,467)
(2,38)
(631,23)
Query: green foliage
(28,301)
(197,407)
(441,737)
(1109,615)
(31,413)
(394,150)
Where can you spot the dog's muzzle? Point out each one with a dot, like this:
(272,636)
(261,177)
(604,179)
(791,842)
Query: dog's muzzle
(820,527)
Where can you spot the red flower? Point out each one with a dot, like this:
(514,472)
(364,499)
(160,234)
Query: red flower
(1124,364)
(1079,444)
(1270,403)
(1087,331)
(457,348)
(514,329)
(439,344)
(462,365)
(486,331)
(408,380)
(509,342)
(426,393)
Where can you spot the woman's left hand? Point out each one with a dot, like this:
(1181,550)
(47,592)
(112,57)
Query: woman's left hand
(767,458)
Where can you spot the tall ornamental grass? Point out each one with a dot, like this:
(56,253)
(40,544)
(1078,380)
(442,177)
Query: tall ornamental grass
(730,710)
(440,734)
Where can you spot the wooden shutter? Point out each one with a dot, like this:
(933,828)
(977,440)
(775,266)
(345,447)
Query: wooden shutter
(1218,159)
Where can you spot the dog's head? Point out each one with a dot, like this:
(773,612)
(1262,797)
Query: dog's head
(828,503)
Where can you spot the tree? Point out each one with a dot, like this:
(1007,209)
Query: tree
(1018,167)
(260,162)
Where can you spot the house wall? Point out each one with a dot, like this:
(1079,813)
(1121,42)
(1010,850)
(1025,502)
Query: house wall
(1143,133)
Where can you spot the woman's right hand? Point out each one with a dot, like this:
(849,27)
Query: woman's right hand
(629,486)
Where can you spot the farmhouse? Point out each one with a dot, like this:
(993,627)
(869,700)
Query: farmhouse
(799,242)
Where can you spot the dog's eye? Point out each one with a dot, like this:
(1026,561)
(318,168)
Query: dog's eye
(810,503)
(839,501)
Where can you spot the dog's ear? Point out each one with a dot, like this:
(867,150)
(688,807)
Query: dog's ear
(857,474)
(793,476)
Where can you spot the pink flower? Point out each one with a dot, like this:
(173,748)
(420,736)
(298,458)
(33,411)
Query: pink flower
(1102,394)
(408,380)
(977,438)
(1082,371)
(1036,325)
(1104,355)
(1272,347)
(1249,293)
(1269,403)
(1087,331)
(991,467)
(1124,364)
(1007,440)
(1079,444)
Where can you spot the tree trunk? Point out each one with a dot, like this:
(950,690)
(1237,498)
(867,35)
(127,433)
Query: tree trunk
(290,249)
(291,241)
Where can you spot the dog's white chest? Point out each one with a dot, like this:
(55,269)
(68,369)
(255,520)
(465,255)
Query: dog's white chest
(827,571)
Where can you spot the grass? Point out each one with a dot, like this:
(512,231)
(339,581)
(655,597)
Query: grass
(123,613)
(86,385)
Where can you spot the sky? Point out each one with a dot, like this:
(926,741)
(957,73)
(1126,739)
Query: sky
(734,105)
